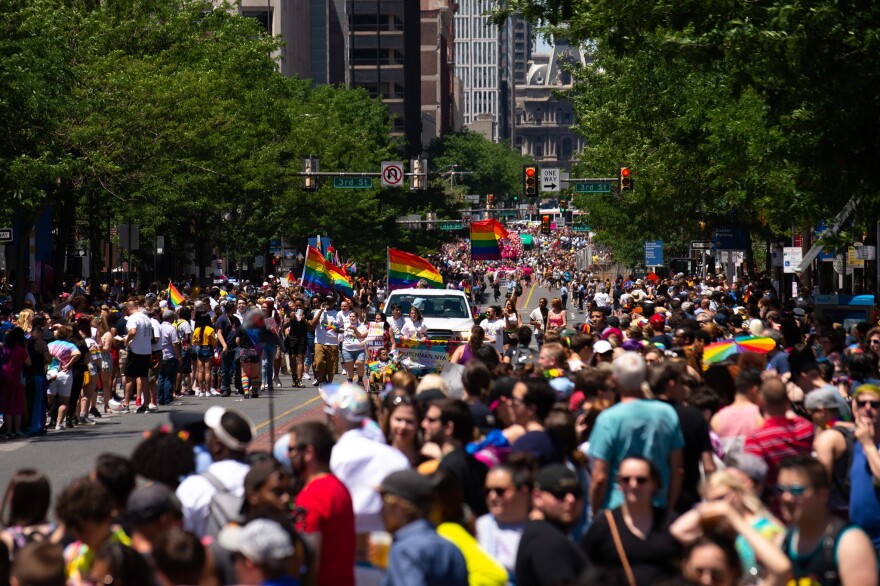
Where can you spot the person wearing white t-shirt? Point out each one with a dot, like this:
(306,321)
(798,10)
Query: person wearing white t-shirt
(538,319)
(414,328)
(353,350)
(326,344)
(396,321)
(601,298)
(493,325)
(138,341)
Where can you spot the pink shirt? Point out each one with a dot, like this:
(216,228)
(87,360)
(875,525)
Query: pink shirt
(736,421)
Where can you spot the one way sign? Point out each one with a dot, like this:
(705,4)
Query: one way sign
(550,180)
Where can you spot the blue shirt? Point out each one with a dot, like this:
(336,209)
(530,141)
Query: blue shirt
(864,503)
(645,428)
(420,557)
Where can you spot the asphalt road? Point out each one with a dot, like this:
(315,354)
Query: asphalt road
(65,455)
(528,301)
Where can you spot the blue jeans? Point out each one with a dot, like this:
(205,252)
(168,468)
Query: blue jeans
(167,378)
(268,365)
(310,348)
(227,370)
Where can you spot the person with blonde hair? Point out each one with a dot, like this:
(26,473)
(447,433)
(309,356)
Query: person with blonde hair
(724,486)
(25,318)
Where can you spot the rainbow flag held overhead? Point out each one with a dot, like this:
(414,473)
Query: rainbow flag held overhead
(290,277)
(175,297)
(323,276)
(405,270)
(485,235)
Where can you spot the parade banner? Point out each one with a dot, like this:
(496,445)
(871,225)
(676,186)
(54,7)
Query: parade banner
(425,356)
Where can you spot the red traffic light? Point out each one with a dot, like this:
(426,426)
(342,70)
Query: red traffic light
(624,171)
(530,171)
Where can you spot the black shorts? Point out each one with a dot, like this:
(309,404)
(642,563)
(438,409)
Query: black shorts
(296,346)
(186,362)
(137,365)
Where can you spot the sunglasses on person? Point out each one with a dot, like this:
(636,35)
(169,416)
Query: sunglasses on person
(561,493)
(861,403)
(627,480)
(499,490)
(792,489)
(874,342)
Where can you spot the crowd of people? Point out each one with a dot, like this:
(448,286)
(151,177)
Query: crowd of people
(612,451)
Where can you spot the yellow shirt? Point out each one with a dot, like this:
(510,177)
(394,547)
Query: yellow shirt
(204,337)
(482,568)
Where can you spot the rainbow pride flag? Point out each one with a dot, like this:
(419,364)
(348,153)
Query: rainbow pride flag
(175,297)
(323,276)
(485,235)
(405,270)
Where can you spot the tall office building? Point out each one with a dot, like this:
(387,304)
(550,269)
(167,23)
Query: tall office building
(543,120)
(523,41)
(484,63)
(438,69)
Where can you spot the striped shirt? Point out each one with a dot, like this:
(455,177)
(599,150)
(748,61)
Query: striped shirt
(779,438)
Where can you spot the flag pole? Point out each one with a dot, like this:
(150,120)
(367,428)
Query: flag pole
(387,270)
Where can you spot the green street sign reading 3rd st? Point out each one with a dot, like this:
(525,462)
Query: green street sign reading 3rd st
(450,225)
(592,188)
(581,228)
(352,182)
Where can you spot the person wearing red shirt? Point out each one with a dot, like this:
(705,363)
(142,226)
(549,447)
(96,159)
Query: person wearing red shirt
(327,513)
(780,436)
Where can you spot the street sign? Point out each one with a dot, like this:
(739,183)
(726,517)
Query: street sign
(866,252)
(592,188)
(560,220)
(653,253)
(791,258)
(5,234)
(450,225)
(549,179)
(507,213)
(473,198)
(698,245)
(160,244)
(392,173)
(581,228)
(466,221)
(352,182)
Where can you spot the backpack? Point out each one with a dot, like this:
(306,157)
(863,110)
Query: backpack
(522,357)
(822,564)
(184,343)
(225,507)
(519,290)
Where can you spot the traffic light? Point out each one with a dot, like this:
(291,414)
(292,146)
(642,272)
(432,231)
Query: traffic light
(530,179)
(624,179)
(490,199)
(563,206)
(310,182)
(419,179)
(545,224)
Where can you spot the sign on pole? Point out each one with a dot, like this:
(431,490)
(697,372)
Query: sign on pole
(592,188)
(702,245)
(549,179)
(653,253)
(466,221)
(352,182)
(392,173)
(5,234)
(791,258)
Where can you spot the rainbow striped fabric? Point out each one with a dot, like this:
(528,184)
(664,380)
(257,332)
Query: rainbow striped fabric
(175,297)
(323,276)
(405,270)
(485,235)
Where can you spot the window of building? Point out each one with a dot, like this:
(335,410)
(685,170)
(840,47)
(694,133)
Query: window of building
(264,17)
(539,149)
(566,149)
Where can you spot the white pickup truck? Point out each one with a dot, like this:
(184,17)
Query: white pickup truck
(447,312)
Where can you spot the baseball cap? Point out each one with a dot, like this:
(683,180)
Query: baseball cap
(825,396)
(657,320)
(410,486)
(149,503)
(749,464)
(867,388)
(602,346)
(347,400)
(229,426)
(557,477)
(262,541)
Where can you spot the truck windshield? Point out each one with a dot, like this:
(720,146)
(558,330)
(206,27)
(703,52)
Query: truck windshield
(434,306)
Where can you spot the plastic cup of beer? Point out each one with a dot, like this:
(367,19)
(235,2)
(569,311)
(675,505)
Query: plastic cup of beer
(378,549)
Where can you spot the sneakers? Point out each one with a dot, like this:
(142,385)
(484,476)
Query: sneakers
(95,413)
(247,394)
(306,376)
(215,392)
(201,394)
(152,408)
(87,421)
(141,409)
(317,383)
(60,427)
(277,381)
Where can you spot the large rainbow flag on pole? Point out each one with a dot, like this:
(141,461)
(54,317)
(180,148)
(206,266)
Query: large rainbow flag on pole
(321,275)
(485,235)
(405,270)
